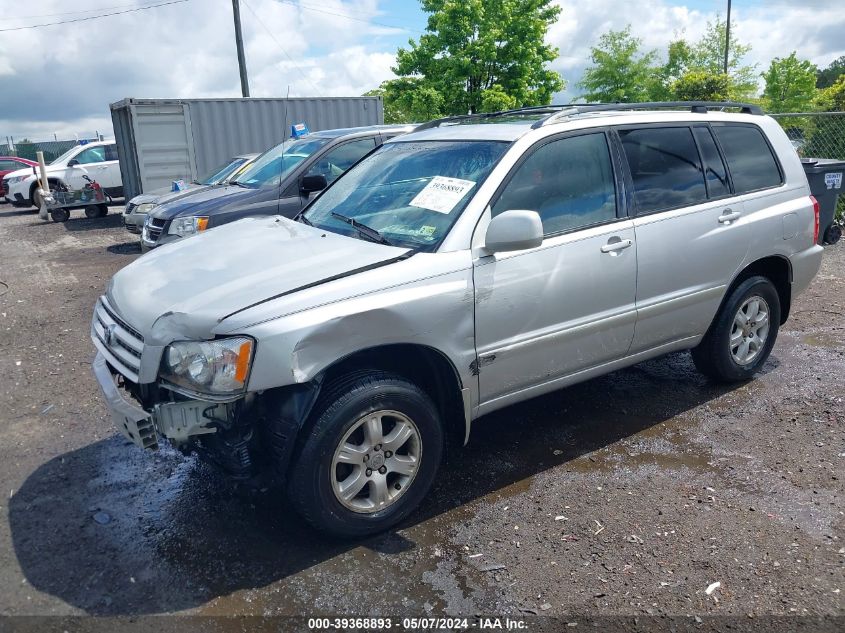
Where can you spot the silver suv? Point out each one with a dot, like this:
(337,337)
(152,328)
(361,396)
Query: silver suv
(469,265)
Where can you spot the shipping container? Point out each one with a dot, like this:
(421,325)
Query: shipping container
(162,140)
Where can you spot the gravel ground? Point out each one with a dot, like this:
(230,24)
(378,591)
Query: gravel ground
(627,495)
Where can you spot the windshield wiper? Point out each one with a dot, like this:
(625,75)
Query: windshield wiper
(364,230)
(239,184)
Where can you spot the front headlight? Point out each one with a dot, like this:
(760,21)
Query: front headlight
(146,207)
(218,368)
(188,226)
(16,179)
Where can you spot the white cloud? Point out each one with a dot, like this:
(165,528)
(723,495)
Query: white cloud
(62,78)
(772,29)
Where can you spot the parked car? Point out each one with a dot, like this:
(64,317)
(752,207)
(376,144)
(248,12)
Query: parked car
(8,164)
(467,266)
(138,207)
(279,182)
(97,160)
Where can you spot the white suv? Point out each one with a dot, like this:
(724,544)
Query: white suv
(97,160)
(466,266)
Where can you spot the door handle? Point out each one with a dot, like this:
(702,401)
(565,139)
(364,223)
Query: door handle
(615,245)
(729,216)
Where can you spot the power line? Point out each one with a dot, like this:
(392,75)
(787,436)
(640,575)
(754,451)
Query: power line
(302,5)
(282,48)
(93,17)
(17,18)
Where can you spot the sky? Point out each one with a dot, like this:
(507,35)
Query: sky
(61,79)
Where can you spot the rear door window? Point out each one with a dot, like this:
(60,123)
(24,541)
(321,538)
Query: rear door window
(714,167)
(665,167)
(750,159)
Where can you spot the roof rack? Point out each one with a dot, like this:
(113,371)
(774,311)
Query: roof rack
(698,107)
(557,112)
(550,109)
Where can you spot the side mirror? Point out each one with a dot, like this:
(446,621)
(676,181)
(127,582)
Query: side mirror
(312,183)
(514,231)
(72,162)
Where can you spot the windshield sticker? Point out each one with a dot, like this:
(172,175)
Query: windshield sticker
(441,194)
(427,230)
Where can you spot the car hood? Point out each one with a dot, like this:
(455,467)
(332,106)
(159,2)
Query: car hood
(26,171)
(208,200)
(165,195)
(184,289)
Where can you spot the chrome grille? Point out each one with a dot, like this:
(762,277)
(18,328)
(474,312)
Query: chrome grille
(130,208)
(121,344)
(153,228)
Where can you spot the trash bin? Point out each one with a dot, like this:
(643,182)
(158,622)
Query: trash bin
(825,177)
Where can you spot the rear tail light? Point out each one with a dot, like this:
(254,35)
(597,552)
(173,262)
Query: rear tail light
(816,211)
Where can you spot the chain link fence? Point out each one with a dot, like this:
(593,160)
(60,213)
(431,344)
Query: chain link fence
(27,149)
(817,135)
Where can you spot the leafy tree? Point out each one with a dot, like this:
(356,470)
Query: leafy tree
(832,99)
(827,77)
(477,52)
(663,76)
(495,99)
(790,84)
(620,72)
(700,85)
(708,54)
(406,100)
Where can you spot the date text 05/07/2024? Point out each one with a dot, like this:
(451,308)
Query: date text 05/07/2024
(417,624)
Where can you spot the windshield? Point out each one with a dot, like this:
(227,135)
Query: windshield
(221,173)
(410,192)
(66,156)
(269,168)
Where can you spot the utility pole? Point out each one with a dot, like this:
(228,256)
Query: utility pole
(239,42)
(727,36)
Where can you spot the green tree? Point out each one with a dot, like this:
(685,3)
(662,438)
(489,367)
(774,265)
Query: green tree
(790,84)
(477,52)
(827,77)
(407,100)
(700,85)
(832,98)
(619,71)
(708,54)
(495,99)
(663,76)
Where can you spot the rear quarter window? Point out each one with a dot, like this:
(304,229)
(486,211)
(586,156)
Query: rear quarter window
(750,159)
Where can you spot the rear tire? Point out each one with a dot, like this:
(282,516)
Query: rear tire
(743,333)
(372,451)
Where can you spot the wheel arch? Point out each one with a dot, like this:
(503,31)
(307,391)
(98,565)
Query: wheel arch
(287,409)
(50,180)
(775,268)
(429,368)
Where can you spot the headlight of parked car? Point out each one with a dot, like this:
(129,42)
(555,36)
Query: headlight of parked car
(146,207)
(16,179)
(188,226)
(219,367)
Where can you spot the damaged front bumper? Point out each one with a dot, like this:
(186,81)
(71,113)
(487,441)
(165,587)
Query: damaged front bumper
(177,421)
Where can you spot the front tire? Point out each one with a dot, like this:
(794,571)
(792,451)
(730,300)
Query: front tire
(741,337)
(370,456)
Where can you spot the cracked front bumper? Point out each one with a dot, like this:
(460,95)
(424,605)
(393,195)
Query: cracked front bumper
(132,421)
